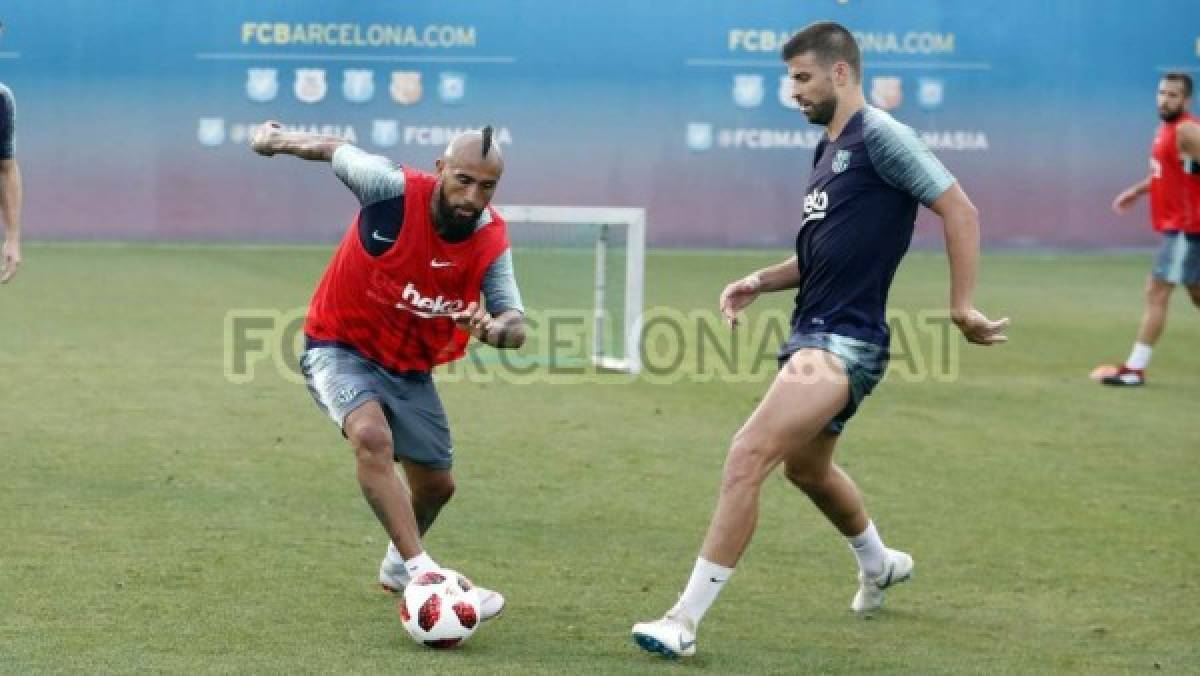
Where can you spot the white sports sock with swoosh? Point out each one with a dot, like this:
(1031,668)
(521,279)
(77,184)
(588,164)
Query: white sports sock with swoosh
(869,550)
(420,563)
(706,582)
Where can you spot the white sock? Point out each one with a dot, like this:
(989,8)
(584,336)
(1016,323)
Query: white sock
(869,550)
(394,563)
(393,555)
(420,563)
(706,582)
(1139,358)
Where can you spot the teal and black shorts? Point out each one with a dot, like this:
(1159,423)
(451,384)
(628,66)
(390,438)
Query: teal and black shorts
(1178,260)
(7,122)
(341,380)
(865,364)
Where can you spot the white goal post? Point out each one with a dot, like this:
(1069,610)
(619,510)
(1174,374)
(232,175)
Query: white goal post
(633,220)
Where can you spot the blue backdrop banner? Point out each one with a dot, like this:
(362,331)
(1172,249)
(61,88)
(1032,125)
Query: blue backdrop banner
(133,115)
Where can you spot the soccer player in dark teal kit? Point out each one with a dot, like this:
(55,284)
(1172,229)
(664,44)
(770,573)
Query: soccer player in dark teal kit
(10,188)
(869,175)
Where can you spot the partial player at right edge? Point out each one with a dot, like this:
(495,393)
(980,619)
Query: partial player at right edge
(1174,188)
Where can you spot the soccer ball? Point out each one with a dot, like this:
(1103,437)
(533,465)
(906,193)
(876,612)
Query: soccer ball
(440,609)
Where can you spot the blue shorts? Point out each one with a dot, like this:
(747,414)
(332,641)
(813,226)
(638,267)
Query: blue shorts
(1178,259)
(340,380)
(865,364)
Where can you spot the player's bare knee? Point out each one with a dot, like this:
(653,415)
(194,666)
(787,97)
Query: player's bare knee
(806,476)
(749,461)
(435,493)
(1158,294)
(370,439)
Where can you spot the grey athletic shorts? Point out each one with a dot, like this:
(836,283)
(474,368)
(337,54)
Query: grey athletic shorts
(341,380)
(1178,259)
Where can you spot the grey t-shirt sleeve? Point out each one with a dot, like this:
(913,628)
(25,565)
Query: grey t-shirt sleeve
(8,116)
(372,178)
(902,158)
(500,286)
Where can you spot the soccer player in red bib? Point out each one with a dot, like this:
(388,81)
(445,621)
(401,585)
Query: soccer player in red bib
(402,295)
(1174,187)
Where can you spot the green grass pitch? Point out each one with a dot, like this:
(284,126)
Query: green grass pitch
(156,517)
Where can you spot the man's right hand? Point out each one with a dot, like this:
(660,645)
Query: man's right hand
(737,295)
(10,259)
(1125,201)
(265,138)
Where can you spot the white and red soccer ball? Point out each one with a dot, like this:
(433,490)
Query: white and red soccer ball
(440,609)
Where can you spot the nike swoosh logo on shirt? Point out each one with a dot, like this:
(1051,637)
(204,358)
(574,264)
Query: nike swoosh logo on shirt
(375,235)
(440,264)
(684,645)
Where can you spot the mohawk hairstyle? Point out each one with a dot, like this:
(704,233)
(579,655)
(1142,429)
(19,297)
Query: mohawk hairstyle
(487,140)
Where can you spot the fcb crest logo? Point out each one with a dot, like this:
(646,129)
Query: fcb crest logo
(887,92)
(785,93)
(211,131)
(699,136)
(310,85)
(262,84)
(346,394)
(841,161)
(452,87)
(747,90)
(358,86)
(385,132)
(406,87)
(930,92)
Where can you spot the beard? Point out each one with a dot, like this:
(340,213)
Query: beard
(822,112)
(1167,115)
(450,223)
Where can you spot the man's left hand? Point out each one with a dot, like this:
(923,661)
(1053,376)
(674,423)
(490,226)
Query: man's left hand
(980,330)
